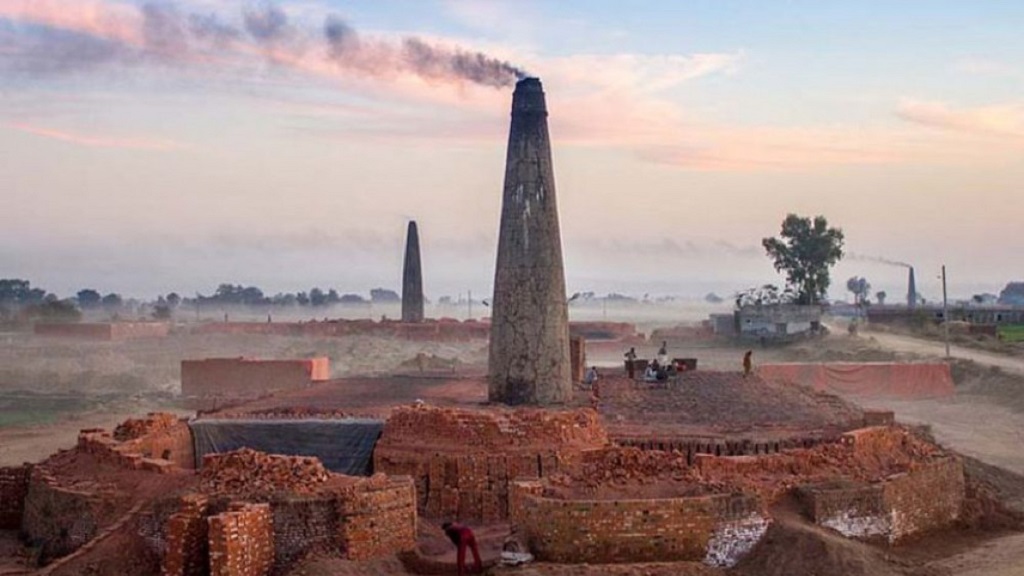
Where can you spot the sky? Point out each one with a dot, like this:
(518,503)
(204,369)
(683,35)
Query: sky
(157,146)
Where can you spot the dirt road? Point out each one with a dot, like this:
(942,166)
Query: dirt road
(901,343)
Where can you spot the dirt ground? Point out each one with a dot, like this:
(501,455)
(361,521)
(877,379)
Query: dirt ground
(985,420)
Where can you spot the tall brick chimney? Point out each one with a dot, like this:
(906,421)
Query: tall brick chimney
(529,349)
(412,278)
(911,290)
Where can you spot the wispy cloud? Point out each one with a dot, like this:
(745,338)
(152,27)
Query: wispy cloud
(1003,120)
(980,66)
(96,141)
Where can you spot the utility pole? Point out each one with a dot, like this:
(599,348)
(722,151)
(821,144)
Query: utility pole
(470,304)
(945,310)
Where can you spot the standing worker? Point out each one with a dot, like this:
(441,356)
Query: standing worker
(748,365)
(630,357)
(663,354)
(462,536)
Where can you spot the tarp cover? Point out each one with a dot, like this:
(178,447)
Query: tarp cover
(343,445)
(885,379)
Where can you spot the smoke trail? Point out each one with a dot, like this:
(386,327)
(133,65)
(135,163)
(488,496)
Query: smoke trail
(374,57)
(877,259)
(439,63)
(158,32)
(266,23)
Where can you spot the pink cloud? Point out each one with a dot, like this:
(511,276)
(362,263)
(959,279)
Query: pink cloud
(1006,120)
(94,141)
(108,20)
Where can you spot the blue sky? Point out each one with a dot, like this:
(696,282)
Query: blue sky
(159,146)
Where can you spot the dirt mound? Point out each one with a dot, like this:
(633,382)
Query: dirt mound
(793,547)
(989,382)
(994,499)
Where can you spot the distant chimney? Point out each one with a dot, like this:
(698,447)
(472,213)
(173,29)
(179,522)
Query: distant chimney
(528,361)
(911,290)
(412,278)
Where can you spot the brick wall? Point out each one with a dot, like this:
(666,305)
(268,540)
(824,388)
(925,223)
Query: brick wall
(242,541)
(854,510)
(463,461)
(187,537)
(444,329)
(714,529)
(13,490)
(247,378)
(377,517)
(928,497)
(145,452)
(59,520)
(301,524)
(104,331)
(158,436)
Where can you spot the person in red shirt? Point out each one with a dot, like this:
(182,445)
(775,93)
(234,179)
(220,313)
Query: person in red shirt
(462,537)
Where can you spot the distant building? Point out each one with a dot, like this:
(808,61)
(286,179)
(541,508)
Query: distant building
(1012,295)
(776,321)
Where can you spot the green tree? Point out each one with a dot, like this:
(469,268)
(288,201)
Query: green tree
(88,298)
(805,251)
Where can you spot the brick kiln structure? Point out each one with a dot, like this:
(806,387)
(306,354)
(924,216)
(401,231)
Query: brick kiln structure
(464,462)
(626,505)
(249,378)
(528,360)
(246,513)
(103,331)
(412,277)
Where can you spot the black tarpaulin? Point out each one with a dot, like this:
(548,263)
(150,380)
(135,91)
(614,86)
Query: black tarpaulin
(343,445)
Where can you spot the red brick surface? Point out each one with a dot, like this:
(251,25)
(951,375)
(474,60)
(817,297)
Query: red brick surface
(242,541)
(104,331)
(249,378)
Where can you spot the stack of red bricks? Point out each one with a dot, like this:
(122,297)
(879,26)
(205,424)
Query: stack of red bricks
(133,428)
(487,430)
(242,541)
(256,475)
(377,517)
(187,539)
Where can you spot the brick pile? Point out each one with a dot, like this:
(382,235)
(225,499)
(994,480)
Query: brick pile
(242,541)
(134,428)
(492,429)
(187,539)
(256,476)
(13,490)
(377,517)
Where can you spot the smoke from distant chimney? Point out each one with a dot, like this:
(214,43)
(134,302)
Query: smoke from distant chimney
(878,259)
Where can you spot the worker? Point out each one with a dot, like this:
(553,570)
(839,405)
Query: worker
(748,365)
(462,536)
(663,353)
(591,376)
(630,357)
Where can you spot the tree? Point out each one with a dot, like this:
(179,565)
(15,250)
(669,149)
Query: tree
(805,251)
(112,301)
(384,295)
(860,288)
(173,300)
(317,297)
(881,296)
(88,298)
(17,292)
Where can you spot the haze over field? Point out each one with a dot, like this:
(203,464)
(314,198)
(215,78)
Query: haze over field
(174,145)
